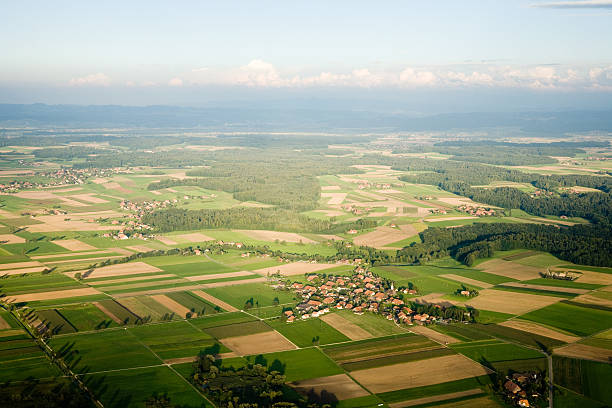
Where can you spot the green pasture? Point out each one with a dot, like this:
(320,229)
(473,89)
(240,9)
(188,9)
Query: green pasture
(373,323)
(437,389)
(87,317)
(131,388)
(106,350)
(305,333)
(299,364)
(491,351)
(237,295)
(581,321)
(176,339)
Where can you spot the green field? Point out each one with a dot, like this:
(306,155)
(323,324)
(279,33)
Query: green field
(237,295)
(22,359)
(582,321)
(304,333)
(85,317)
(373,323)
(438,389)
(107,350)
(130,388)
(300,364)
(492,351)
(588,378)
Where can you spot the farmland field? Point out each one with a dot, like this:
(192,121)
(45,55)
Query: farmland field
(308,332)
(581,321)
(389,270)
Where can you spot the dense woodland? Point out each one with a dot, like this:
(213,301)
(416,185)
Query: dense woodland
(581,244)
(287,183)
(175,219)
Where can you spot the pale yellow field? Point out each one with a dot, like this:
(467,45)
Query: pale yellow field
(419,373)
(593,299)
(510,269)
(58,294)
(545,288)
(166,240)
(89,198)
(16,265)
(531,327)
(468,281)
(218,276)
(272,236)
(341,386)
(194,237)
(259,343)
(132,268)
(433,335)
(4,324)
(349,329)
(334,198)
(510,302)
(23,270)
(294,268)
(172,305)
(74,245)
(11,239)
(577,350)
(381,237)
(215,301)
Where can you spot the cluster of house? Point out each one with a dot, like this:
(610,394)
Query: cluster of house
(475,210)
(59,177)
(437,211)
(361,292)
(540,193)
(141,208)
(514,389)
(356,210)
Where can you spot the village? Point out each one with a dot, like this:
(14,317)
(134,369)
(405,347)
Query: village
(361,292)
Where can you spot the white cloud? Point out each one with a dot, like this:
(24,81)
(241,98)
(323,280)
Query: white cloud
(263,74)
(411,77)
(589,4)
(98,79)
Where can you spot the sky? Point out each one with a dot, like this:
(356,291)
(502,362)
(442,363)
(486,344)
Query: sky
(207,52)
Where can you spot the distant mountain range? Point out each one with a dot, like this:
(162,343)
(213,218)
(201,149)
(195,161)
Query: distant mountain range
(245,119)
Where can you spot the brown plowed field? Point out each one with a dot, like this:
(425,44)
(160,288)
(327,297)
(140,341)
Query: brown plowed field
(341,386)
(259,343)
(419,373)
(510,302)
